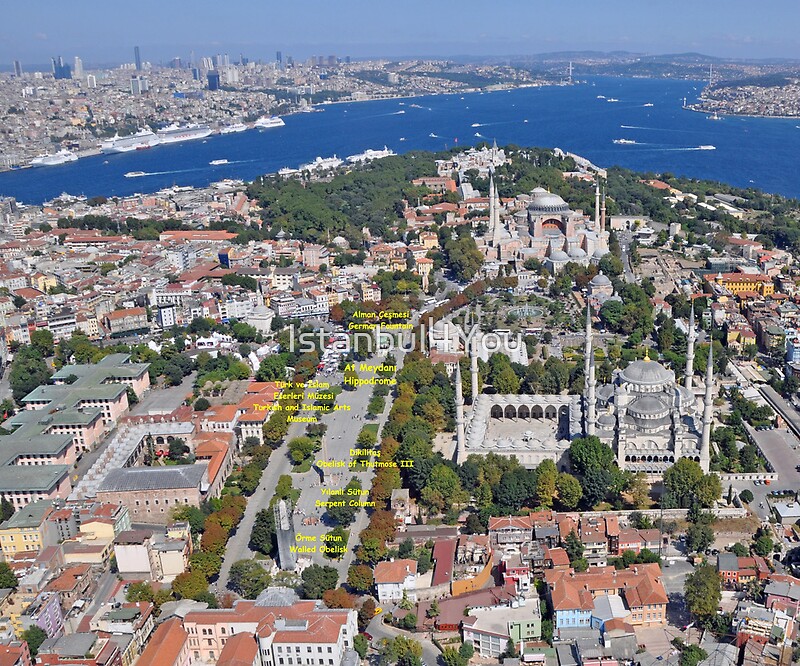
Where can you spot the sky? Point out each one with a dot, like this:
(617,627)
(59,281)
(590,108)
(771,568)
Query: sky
(105,31)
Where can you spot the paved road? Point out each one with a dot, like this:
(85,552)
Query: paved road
(379,630)
(343,428)
(625,244)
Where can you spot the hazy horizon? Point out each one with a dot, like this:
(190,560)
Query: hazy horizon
(103,34)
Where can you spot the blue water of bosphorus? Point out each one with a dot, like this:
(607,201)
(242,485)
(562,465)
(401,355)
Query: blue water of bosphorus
(758,152)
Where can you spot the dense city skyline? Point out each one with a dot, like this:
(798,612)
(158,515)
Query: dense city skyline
(362,29)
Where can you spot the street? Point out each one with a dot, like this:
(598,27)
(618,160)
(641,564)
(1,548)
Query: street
(379,630)
(343,428)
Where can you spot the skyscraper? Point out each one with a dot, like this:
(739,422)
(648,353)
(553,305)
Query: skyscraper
(17,68)
(279,57)
(60,69)
(137,58)
(139,85)
(77,68)
(213,80)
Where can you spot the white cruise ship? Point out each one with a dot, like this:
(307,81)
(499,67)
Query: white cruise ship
(370,154)
(176,133)
(54,159)
(143,139)
(321,163)
(267,122)
(231,129)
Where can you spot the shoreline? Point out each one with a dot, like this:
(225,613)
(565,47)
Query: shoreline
(94,152)
(723,114)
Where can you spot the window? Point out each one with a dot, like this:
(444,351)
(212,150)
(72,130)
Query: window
(222,630)
(330,650)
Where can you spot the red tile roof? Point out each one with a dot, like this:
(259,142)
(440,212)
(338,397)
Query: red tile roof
(165,645)
(394,572)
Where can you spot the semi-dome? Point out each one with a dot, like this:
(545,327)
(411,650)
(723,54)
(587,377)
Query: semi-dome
(543,201)
(648,406)
(685,397)
(646,372)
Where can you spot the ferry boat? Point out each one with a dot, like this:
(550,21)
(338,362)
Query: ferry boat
(370,154)
(321,163)
(178,133)
(267,122)
(648,104)
(61,157)
(231,129)
(218,162)
(706,147)
(143,139)
(624,141)
(135,174)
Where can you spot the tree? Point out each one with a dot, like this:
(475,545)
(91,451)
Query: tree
(410,622)
(443,488)
(702,591)
(191,514)
(406,548)
(7,576)
(763,547)
(177,449)
(42,342)
(681,481)
(573,546)
(546,476)
(639,490)
(208,564)
(139,592)
(590,453)
(360,578)
(691,655)
(708,490)
(569,491)
(6,509)
(248,578)
(190,584)
(201,405)
(366,613)
(34,637)
(699,537)
(746,496)
(263,537)
(338,598)
(361,645)
(739,549)
(433,610)
(466,651)
(451,657)
(271,369)
(317,579)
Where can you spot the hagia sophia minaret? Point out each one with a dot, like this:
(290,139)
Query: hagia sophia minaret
(691,337)
(597,205)
(494,213)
